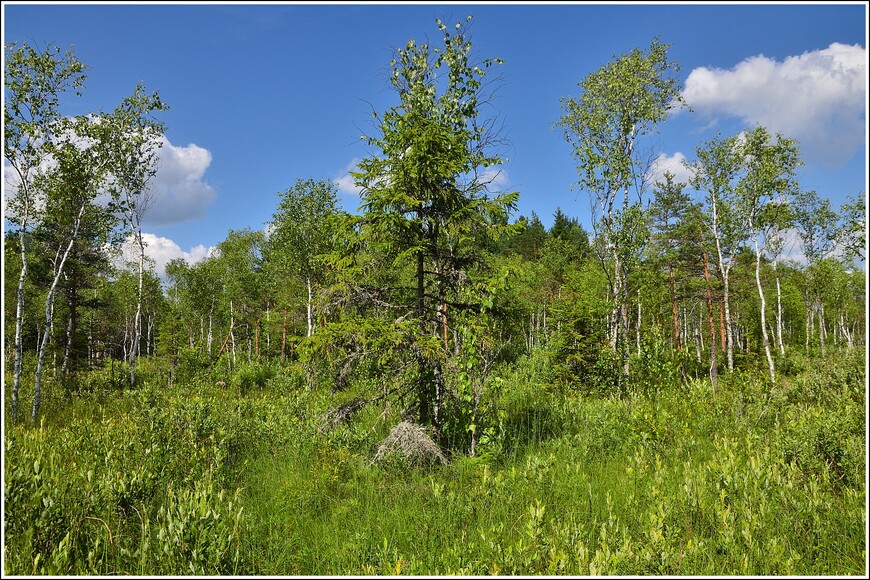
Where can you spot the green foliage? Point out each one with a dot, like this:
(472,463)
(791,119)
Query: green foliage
(247,377)
(655,367)
(569,393)
(581,357)
(202,480)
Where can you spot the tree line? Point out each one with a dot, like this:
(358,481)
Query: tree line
(415,300)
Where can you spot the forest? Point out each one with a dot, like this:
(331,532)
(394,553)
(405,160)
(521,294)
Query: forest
(433,385)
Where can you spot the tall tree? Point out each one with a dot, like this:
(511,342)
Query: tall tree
(620,103)
(714,172)
(238,266)
(34,82)
(853,233)
(72,186)
(667,218)
(424,194)
(529,241)
(570,230)
(760,200)
(135,137)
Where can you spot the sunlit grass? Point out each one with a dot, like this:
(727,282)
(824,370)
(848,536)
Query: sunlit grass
(752,481)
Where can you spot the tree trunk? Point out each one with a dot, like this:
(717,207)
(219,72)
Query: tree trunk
(19,322)
(210,320)
(779,314)
(232,334)
(724,270)
(714,372)
(614,311)
(637,334)
(423,368)
(844,329)
(91,338)
(150,340)
(674,311)
(310,313)
(137,320)
(64,366)
(49,316)
(820,309)
(283,333)
(764,338)
(807,322)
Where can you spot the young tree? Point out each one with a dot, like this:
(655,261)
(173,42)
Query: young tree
(33,84)
(768,180)
(853,233)
(818,230)
(71,187)
(135,138)
(667,218)
(301,231)
(714,172)
(620,103)
(425,196)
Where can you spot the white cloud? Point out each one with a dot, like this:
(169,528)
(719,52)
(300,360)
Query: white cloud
(674,163)
(163,250)
(344,181)
(180,194)
(178,190)
(792,247)
(493,179)
(818,98)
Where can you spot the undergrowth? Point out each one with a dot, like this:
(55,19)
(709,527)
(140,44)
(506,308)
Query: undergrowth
(235,474)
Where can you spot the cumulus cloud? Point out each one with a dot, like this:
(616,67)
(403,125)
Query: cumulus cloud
(818,98)
(344,181)
(179,192)
(674,163)
(162,251)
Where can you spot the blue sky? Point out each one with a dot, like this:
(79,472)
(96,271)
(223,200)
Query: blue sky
(264,94)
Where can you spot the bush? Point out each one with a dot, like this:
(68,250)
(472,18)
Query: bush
(249,376)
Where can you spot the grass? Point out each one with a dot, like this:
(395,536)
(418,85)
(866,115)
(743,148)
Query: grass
(672,482)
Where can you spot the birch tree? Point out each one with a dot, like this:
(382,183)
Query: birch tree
(768,179)
(817,226)
(301,231)
(135,137)
(34,82)
(620,103)
(714,173)
(71,187)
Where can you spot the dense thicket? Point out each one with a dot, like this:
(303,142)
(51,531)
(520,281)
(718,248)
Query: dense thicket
(706,309)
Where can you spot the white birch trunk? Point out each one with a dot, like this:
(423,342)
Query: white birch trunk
(49,316)
(232,334)
(779,313)
(310,313)
(764,336)
(19,323)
